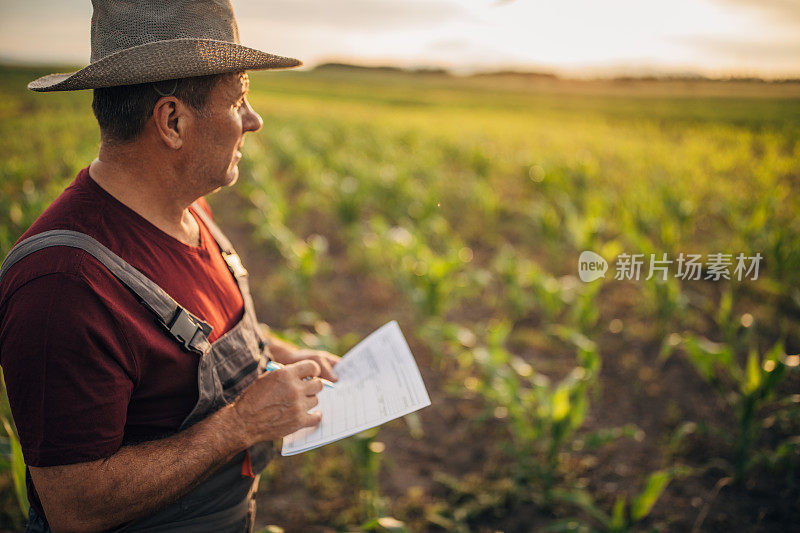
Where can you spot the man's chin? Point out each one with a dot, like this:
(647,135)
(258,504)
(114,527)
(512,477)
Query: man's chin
(230,179)
(233,176)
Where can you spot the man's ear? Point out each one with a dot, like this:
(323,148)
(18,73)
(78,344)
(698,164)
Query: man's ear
(169,118)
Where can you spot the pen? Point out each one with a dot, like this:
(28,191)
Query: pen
(274,365)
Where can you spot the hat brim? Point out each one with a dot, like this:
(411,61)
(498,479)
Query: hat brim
(163,60)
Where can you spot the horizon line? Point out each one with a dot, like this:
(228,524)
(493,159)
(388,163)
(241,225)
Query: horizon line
(608,72)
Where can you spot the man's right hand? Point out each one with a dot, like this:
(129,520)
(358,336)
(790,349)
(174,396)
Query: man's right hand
(139,479)
(277,402)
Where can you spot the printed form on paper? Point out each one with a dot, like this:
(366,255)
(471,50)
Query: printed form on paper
(378,381)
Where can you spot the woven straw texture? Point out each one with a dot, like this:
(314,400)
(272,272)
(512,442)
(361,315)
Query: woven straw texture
(147,41)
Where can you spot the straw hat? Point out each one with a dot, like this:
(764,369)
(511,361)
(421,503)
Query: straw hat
(156,40)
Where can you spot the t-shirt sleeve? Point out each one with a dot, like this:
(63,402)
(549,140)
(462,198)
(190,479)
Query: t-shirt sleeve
(67,373)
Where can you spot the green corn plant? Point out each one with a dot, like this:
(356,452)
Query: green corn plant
(468,498)
(585,311)
(304,257)
(434,281)
(12,462)
(625,515)
(746,388)
(15,465)
(348,206)
(365,452)
(662,293)
(541,416)
(586,223)
(728,326)
(527,287)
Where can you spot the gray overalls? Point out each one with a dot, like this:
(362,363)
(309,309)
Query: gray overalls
(224,501)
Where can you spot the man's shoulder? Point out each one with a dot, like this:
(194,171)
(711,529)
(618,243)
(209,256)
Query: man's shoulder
(74,209)
(55,266)
(86,208)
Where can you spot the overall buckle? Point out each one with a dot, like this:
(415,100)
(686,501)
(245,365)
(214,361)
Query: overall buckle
(235,264)
(184,328)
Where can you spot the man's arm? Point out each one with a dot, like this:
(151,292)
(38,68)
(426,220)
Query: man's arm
(141,479)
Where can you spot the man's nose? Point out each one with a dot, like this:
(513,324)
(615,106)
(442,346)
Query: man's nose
(251,121)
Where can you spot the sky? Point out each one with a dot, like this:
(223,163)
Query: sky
(569,37)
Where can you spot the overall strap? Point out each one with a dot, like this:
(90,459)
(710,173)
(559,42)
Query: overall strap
(191,332)
(225,246)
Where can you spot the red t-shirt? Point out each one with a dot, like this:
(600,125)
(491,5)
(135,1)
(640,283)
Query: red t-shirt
(86,366)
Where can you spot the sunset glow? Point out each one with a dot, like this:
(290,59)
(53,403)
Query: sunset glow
(576,37)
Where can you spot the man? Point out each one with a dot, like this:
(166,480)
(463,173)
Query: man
(133,360)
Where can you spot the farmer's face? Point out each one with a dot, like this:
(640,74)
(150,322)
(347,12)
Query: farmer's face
(222,125)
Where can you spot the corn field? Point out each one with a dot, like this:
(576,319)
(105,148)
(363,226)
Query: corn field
(460,207)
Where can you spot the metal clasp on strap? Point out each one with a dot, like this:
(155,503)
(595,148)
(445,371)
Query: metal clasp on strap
(184,328)
(235,264)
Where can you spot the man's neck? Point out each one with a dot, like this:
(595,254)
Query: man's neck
(153,194)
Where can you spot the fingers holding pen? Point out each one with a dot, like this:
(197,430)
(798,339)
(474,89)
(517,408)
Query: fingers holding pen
(306,368)
(310,402)
(312,387)
(326,361)
(313,419)
(278,402)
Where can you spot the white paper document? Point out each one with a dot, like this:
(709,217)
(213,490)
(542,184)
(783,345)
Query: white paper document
(378,381)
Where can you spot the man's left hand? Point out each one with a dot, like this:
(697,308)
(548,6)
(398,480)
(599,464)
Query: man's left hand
(325,360)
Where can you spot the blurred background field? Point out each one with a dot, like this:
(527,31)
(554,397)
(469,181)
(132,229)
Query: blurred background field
(459,206)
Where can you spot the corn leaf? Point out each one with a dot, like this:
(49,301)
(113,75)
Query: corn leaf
(644,502)
(561,403)
(618,514)
(17,468)
(753,375)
